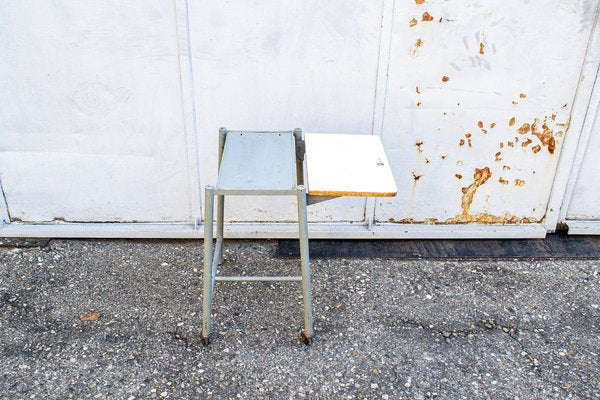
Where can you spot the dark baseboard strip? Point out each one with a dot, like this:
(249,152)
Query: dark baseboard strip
(557,245)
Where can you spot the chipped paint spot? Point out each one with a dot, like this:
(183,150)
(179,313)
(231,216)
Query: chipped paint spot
(484,131)
(480,124)
(481,46)
(419,1)
(467,135)
(417,90)
(503,181)
(412,22)
(492,125)
(519,182)
(524,128)
(497,155)
(536,148)
(505,167)
(469,142)
(526,143)
(419,104)
(426,17)
(418,42)
(461,142)
(459,176)
(522,95)
(546,136)
(514,102)
(416,177)
(511,121)
(501,145)
(510,144)
(445,78)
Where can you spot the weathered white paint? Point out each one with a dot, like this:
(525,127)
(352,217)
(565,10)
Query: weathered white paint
(585,199)
(281,65)
(111,110)
(584,113)
(423,132)
(91,119)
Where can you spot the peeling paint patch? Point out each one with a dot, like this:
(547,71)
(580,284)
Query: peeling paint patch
(497,155)
(511,121)
(419,1)
(536,148)
(426,17)
(503,181)
(506,168)
(412,22)
(417,90)
(522,95)
(481,47)
(459,176)
(546,136)
(524,128)
(526,143)
(519,182)
(445,78)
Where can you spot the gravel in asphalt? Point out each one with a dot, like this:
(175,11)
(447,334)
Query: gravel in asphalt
(385,328)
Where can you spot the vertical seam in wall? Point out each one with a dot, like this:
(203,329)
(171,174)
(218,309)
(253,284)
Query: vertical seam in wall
(370,203)
(190,127)
(4,203)
(556,197)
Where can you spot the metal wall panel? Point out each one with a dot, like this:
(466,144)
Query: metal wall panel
(91,118)
(268,65)
(479,100)
(109,109)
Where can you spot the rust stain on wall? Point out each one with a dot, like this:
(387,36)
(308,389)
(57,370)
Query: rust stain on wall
(526,143)
(536,148)
(480,177)
(427,17)
(511,121)
(519,182)
(419,1)
(497,155)
(524,128)
(445,78)
(480,124)
(492,125)
(459,176)
(412,22)
(503,181)
(481,46)
(545,136)
(417,90)
(522,95)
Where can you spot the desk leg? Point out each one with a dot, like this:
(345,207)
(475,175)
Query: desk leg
(220,222)
(207,277)
(308,332)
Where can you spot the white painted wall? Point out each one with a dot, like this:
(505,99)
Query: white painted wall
(91,117)
(110,110)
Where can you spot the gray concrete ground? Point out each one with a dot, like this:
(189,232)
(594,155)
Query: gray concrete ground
(386,329)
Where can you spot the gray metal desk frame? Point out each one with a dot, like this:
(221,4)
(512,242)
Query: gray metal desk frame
(211,261)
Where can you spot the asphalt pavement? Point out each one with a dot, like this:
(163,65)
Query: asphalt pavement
(121,319)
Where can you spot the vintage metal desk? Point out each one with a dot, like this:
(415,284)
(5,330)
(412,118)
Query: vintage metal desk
(272,163)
